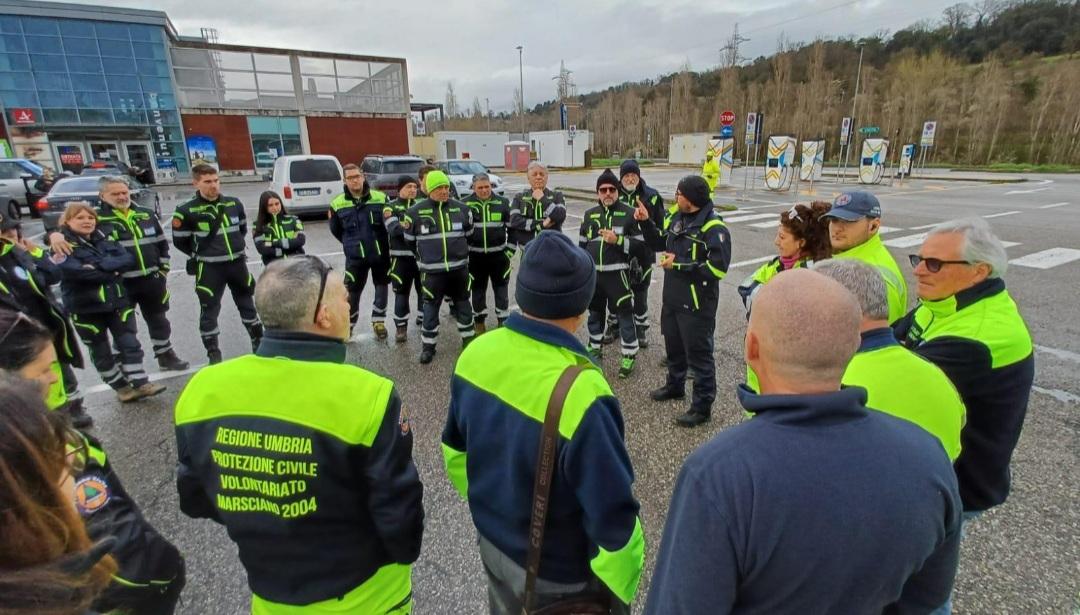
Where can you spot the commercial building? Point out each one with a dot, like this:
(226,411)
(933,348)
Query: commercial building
(80,83)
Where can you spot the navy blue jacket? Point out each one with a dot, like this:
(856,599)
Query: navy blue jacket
(92,274)
(815,505)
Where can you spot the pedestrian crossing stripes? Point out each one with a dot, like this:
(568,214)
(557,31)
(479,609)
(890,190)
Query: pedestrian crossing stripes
(734,219)
(1047,259)
(910,241)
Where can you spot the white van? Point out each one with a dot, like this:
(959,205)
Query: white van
(307,184)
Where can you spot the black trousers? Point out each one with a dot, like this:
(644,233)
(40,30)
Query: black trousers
(688,339)
(613,294)
(356,275)
(151,295)
(639,283)
(405,277)
(95,329)
(491,267)
(211,279)
(454,285)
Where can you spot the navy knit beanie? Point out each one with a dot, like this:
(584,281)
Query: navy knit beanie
(405,180)
(629,166)
(696,190)
(607,178)
(555,279)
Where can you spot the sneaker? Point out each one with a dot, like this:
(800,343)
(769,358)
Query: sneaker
(402,334)
(597,353)
(691,419)
(170,362)
(626,366)
(667,392)
(213,356)
(127,394)
(148,389)
(427,353)
(380,330)
(481,327)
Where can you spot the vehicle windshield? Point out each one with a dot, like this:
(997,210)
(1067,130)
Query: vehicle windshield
(34,169)
(312,171)
(76,185)
(466,167)
(401,167)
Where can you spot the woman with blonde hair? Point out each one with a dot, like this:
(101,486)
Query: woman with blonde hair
(94,294)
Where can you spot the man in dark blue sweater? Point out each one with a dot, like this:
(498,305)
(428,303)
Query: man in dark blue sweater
(815,505)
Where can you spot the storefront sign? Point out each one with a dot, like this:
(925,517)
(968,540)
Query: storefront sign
(23,117)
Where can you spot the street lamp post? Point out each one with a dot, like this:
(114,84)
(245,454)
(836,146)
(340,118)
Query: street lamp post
(487,106)
(521,90)
(854,100)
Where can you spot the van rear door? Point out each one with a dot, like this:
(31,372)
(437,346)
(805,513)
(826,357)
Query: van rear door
(314,182)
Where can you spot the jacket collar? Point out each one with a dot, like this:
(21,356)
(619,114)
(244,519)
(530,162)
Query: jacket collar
(877,338)
(967,297)
(201,199)
(301,346)
(365,194)
(841,406)
(870,245)
(546,333)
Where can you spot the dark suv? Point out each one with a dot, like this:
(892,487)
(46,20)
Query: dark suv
(383,172)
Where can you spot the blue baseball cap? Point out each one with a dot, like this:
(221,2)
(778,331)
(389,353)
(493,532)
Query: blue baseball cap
(852,206)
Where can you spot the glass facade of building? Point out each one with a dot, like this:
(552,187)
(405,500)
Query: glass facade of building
(92,77)
(272,137)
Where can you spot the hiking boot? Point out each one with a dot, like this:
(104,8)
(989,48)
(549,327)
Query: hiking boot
(402,334)
(127,394)
(213,356)
(380,330)
(481,327)
(427,353)
(642,337)
(79,418)
(667,392)
(170,362)
(611,332)
(691,419)
(148,389)
(626,366)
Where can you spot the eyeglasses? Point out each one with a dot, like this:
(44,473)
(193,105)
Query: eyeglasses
(324,272)
(933,265)
(75,449)
(20,317)
(348,177)
(606,189)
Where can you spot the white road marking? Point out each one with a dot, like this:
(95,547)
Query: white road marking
(101,388)
(769,224)
(735,218)
(1047,258)
(924,227)
(1041,183)
(1004,213)
(1058,394)
(1068,355)
(1052,205)
(907,241)
(889,229)
(752,261)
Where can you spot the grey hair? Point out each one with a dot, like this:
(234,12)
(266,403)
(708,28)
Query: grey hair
(286,293)
(863,280)
(536,165)
(111,179)
(980,245)
(480,177)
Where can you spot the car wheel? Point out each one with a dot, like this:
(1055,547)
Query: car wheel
(13,211)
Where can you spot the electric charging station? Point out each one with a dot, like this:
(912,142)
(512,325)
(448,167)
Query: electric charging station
(780,162)
(875,152)
(723,149)
(907,156)
(813,160)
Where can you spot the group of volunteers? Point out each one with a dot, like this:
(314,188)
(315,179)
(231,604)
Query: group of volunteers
(873,433)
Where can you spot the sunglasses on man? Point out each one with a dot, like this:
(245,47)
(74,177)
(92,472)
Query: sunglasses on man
(933,265)
(324,273)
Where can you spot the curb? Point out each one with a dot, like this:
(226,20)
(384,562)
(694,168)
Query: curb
(578,193)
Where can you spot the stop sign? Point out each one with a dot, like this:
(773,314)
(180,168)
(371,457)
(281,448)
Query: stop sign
(727,118)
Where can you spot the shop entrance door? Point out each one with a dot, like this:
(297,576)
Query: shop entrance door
(70,155)
(138,156)
(105,151)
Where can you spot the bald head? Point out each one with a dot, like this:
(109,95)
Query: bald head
(803,331)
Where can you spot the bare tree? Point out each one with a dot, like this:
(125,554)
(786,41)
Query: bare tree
(956,16)
(451,101)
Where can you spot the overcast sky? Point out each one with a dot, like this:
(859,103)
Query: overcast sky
(472,44)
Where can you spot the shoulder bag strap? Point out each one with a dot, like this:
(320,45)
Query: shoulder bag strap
(545,469)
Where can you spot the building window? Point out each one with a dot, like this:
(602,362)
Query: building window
(272,137)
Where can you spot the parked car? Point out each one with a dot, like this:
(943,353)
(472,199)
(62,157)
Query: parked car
(307,183)
(383,172)
(118,167)
(17,179)
(461,172)
(264,159)
(85,188)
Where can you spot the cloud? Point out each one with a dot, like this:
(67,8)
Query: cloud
(604,42)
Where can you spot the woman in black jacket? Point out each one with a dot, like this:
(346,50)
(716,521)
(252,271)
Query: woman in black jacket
(94,295)
(277,233)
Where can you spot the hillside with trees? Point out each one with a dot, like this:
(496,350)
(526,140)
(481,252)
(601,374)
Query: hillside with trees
(1002,80)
